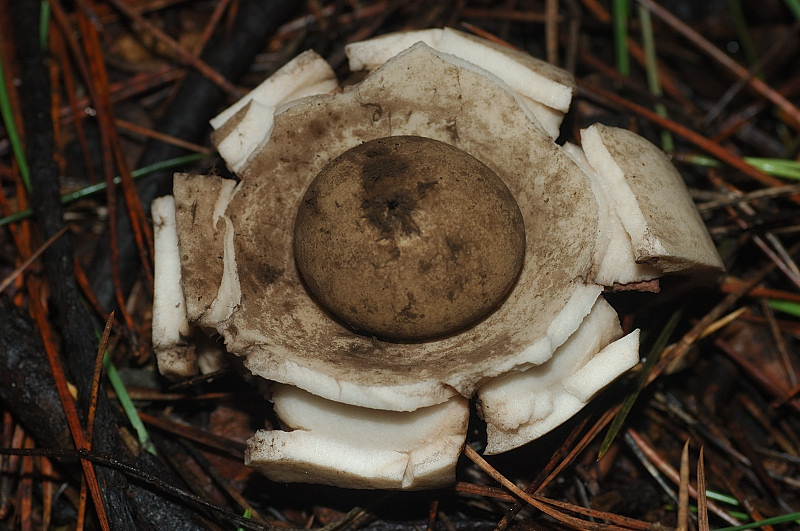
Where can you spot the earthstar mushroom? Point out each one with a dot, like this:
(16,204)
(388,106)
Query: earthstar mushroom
(398,246)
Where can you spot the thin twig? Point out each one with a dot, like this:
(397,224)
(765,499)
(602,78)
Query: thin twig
(131,471)
(551,31)
(565,455)
(547,507)
(779,342)
(184,55)
(110,139)
(695,138)
(673,475)
(733,90)
(149,133)
(756,195)
(682,346)
(724,59)
(70,411)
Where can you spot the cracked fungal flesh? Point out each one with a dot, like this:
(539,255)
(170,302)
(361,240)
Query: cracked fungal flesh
(291,264)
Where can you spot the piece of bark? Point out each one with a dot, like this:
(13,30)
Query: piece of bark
(27,390)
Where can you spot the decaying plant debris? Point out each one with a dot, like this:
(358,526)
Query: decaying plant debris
(726,381)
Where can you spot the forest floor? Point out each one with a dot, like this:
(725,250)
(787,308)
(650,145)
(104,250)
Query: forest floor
(704,433)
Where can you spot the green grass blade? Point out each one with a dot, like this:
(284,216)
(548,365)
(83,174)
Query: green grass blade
(794,7)
(740,23)
(650,362)
(788,307)
(13,135)
(127,405)
(99,187)
(653,82)
(248,513)
(782,519)
(44,24)
(620,20)
(722,498)
(786,168)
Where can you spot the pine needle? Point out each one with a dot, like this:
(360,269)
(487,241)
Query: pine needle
(702,499)
(101,186)
(630,400)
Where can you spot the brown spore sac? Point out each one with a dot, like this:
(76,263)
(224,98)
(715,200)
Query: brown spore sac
(408,238)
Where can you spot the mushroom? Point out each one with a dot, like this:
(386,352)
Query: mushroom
(398,246)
